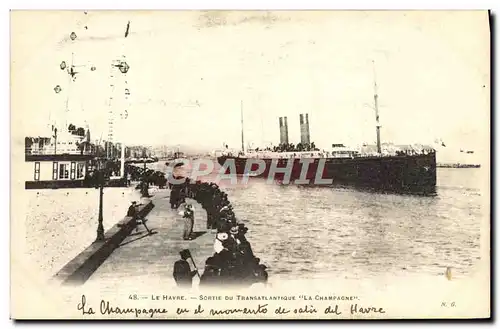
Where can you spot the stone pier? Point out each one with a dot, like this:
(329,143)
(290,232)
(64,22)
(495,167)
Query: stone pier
(147,258)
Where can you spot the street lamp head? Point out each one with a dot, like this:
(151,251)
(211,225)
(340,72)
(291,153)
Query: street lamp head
(72,36)
(63,65)
(57,89)
(124,67)
(92,68)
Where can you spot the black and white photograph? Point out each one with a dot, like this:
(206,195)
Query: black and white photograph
(264,164)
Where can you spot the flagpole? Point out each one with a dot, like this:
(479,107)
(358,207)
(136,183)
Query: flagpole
(242,128)
(375,98)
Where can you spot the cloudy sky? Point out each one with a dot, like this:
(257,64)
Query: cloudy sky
(190,71)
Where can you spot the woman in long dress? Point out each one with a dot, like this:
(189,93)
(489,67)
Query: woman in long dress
(188,216)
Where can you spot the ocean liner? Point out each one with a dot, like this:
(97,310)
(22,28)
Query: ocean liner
(392,169)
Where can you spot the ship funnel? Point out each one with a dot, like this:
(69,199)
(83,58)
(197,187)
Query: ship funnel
(286,131)
(283,130)
(305,137)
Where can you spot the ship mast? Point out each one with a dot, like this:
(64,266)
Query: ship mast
(375,98)
(242,137)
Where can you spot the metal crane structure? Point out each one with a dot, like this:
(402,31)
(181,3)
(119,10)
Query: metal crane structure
(118,83)
(73,71)
(120,67)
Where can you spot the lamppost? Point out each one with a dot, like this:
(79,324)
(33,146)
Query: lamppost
(101,180)
(144,192)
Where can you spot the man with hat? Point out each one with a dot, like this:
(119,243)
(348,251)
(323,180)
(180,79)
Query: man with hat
(183,275)
(234,234)
(211,273)
(224,218)
(244,246)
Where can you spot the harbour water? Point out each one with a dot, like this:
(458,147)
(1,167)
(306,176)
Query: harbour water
(358,234)
(302,232)
(310,232)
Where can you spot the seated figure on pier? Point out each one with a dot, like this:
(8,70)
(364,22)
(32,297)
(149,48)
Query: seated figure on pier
(132,211)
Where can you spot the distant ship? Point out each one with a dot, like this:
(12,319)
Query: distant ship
(457,165)
(397,170)
(405,173)
(462,162)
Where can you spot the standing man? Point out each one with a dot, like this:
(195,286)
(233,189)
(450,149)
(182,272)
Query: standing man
(183,275)
(174,196)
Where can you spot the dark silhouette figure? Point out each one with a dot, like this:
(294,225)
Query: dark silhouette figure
(174,196)
(132,212)
(183,275)
(211,274)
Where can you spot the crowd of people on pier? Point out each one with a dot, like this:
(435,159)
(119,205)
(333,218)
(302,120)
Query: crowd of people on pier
(146,176)
(233,261)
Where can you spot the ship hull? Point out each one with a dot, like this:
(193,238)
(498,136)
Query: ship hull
(414,174)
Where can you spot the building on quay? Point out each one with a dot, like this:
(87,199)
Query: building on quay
(66,159)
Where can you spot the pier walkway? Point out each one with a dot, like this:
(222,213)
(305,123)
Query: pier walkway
(149,258)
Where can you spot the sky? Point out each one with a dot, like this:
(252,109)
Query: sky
(191,71)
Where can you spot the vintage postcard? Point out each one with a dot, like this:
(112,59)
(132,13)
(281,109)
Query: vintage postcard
(250,164)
